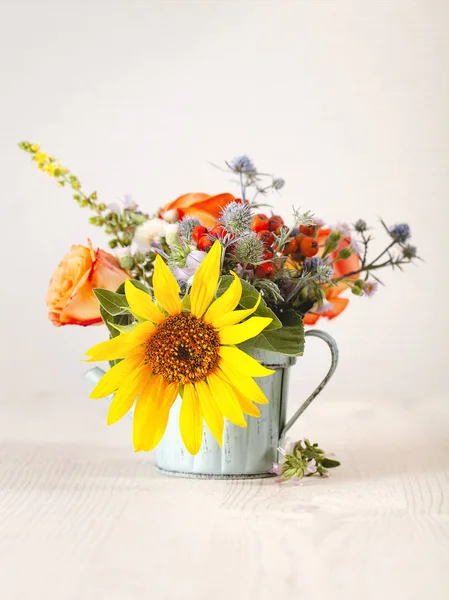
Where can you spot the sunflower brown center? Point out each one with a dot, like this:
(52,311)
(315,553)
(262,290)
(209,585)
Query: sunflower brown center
(183,349)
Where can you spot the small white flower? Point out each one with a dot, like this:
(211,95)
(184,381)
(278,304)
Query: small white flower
(193,262)
(149,233)
(171,233)
(171,216)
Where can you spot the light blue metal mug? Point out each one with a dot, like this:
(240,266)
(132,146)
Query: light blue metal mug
(246,452)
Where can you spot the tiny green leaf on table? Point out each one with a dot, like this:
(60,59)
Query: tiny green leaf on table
(288,340)
(248,300)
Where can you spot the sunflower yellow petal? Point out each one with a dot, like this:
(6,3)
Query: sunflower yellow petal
(205,281)
(211,412)
(112,379)
(124,398)
(191,419)
(236,334)
(142,305)
(151,413)
(242,362)
(110,349)
(246,385)
(125,344)
(166,288)
(226,400)
(226,302)
(247,406)
(235,316)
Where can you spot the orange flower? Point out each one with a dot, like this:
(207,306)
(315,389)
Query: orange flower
(204,207)
(70,298)
(342,268)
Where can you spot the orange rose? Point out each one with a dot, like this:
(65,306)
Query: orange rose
(70,298)
(204,207)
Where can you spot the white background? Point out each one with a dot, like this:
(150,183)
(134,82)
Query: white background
(348,101)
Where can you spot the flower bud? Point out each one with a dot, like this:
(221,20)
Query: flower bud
(356,290)
(345,253)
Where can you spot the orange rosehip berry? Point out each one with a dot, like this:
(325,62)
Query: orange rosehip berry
(266,237)
(265,270)
(308,230)
(218,231)
(267,254)
(204,243)
(275,223)
(259,222)
(198,232)
(291,247)
(309,247)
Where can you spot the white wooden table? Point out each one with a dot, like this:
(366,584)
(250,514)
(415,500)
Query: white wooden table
(84,518)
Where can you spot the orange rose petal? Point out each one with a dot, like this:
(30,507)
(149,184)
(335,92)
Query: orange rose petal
(209,210)
(185,201)
(311,319)
(339,304)
(334,291)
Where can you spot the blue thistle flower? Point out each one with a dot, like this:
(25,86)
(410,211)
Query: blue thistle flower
(400,233)
(311,264)
(243,164)
(186,226)
(236,217)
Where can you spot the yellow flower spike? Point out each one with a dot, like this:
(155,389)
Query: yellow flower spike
(205,281)
(166,288)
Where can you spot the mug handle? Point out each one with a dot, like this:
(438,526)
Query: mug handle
(334,362)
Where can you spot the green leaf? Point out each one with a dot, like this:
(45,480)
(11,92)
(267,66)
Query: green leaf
(113,303)
(289,340)
(185,303)
(249,299)
(108,322)
(123,328)
(328,463)
(136,218)
(137,283)
(116,324)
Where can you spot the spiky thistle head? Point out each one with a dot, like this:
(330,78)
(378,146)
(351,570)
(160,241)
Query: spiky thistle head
(400,233)
(236,217)
(243,164)
(186,226)
(249,249)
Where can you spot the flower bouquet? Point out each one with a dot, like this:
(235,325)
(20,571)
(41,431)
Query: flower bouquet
(205,303)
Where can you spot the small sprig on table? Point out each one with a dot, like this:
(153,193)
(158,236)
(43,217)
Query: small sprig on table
(303,459)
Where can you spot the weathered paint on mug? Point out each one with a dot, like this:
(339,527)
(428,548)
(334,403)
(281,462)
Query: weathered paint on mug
(246,452)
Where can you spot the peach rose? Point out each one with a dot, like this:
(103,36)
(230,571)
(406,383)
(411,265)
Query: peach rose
(70,298)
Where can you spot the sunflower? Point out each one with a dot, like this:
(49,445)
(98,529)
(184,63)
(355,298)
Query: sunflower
(183,348)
